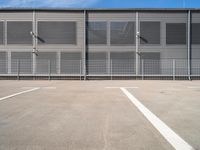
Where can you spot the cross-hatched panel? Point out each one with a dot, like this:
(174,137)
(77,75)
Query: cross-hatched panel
(1,33)
(122,63)
(21,62)
(195,66)
(97,32)
(97,63)
(56,32)
(71,63)
(46,63)
(150,63)
(3,62)
(195,33)
(176,33)
(122,33)
(18,32)
(150,32)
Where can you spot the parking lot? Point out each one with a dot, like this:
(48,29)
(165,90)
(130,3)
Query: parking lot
(100,115)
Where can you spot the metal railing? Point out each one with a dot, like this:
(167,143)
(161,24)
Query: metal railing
(172,68)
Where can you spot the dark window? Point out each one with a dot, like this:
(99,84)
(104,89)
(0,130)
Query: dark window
(71,63)
(24,60)
(46,62)
(122,33)
(1,33)
(97,32)
(176,33)
(18,32)
(195,33)
(3,62)
(150,32)
(56,32)
(97,63)
(122,62)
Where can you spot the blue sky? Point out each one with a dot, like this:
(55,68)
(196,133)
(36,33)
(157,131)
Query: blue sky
(102,3)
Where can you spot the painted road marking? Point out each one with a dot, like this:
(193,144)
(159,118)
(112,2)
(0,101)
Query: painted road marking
(9,96)
(121,87)
(175,140)
(48,87)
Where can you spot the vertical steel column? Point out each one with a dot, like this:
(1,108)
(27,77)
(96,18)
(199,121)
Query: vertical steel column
(189,44)
(34,43)
(137,44)
(85,45)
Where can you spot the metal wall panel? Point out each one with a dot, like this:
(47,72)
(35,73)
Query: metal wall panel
(122,33)
(1,32)
(71,63)
(3,62)
(56,32)
(97,33)
(150,64)
(21,62)
(176,33)
(18,32)
(97,63)
(46,63)
(122,63)
(149,32)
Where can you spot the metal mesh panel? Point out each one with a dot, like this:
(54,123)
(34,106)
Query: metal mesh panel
(21,62)
(195,37)
(122,63)
(195,69)
(150,63)
(56,32)
(150,32)
(97,32)
(3,63)
(18,32)
(176,33)
(97,63)
(122,33)
(46,63)
(71,63)
(1,33)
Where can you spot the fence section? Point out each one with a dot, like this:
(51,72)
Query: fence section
(108,68)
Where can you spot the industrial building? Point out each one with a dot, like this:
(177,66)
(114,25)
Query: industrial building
(86,43)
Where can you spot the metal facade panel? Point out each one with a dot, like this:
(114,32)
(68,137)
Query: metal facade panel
(46,63)
(122,33)
(97,33)
(18,32)
(1,32)
(122,63)
(56,32)
(149,32)
(21,62)
(97,63)
(3,62)
(176,33)
(71,63)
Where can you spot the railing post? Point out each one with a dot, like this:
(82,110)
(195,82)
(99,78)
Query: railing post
(18,69)
(111,69)
(142,69)
(49,69)
(80,69)
(174,69)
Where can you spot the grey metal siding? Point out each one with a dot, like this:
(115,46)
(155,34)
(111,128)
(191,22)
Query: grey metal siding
(2,32)
(3,62)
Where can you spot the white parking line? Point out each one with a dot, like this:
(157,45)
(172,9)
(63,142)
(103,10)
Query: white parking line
(9,96)
(48,87)
(175,140)
(134,87)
